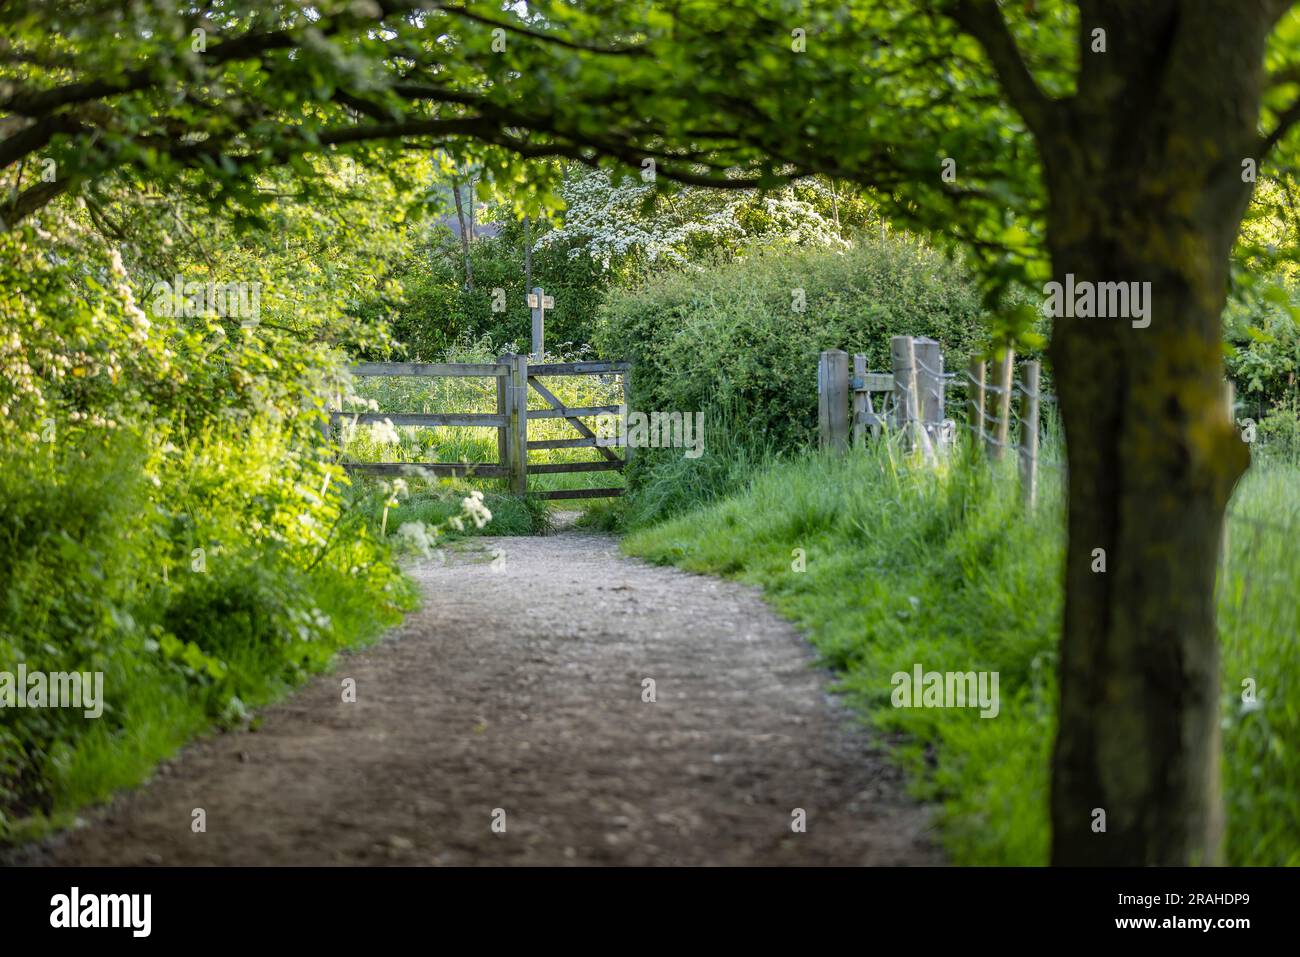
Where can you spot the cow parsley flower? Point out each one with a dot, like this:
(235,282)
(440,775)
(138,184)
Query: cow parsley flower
(475,510)
(383,433)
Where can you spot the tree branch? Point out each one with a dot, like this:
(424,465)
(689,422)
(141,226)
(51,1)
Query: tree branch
(27,102)
(1285,121)
(36,136)
(983,20)
(30,200)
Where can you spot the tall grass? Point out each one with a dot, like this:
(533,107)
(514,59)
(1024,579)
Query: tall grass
(666,482)
(906,565)
(1259,620)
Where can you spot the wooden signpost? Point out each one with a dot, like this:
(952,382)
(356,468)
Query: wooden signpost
(539,302)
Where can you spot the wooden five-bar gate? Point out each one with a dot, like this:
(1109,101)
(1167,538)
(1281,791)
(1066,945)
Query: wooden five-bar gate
(514,377)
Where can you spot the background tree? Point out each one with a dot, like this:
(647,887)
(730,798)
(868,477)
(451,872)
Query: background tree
(624,223)
(465,231)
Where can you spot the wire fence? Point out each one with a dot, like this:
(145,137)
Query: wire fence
(916,400)
(1006,427)
(1013,423)
(1000,431)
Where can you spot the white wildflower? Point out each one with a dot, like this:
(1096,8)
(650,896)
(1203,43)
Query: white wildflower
(383,433)
(416,535)
(475,510)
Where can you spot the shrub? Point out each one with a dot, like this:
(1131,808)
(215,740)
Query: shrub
(1279,429)
(1263,344)
(165,519)
(735,336)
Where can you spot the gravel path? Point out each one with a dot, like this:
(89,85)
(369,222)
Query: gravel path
(515,695)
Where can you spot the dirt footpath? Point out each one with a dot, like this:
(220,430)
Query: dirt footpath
(514,698)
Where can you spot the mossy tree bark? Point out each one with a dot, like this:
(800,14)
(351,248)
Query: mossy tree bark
(1144,174)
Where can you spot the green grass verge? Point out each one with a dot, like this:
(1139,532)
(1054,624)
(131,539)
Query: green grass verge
(906,565)
(197,598)
(157,702)
(159,710)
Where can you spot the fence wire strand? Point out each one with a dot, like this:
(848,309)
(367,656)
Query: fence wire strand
(1016,386)
(964,379)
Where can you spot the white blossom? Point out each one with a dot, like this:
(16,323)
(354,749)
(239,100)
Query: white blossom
(416,534)
(383,433)
(475,510)
(608,222)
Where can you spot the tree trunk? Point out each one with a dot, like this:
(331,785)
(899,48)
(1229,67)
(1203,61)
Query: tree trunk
(1153,459)
(528,255)
(464,238)
(472,201)
(1153,456)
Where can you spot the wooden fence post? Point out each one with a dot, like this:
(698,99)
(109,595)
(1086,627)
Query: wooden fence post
(900,356)
(833,399)
(860,401)
(519,424)
(975,399)
(1029,436)
(1005,376)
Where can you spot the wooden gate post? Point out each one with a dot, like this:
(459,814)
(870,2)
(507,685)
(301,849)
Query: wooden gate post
(906,401)
(1029,436)
(928,360)
(833,399)
(975,399)
(1005,377)
(519,424)
(905,411)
